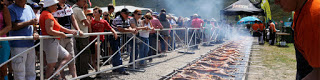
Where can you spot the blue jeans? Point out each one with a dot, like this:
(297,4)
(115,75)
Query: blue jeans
(116,59)
(144,49)
(162,43)
(4,53)
(131,52)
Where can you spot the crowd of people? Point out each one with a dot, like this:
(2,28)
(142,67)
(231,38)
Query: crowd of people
(56,18)
(259,30)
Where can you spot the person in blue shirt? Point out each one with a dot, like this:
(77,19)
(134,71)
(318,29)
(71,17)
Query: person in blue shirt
(23,19)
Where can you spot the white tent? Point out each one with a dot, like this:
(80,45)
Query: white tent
(119,8)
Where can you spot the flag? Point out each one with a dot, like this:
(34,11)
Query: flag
(114,2)
(90,3)
(266,7)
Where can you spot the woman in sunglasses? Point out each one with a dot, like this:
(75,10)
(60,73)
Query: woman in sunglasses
(144,36)
(134,23)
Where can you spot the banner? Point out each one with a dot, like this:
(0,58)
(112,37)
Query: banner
(266,7)
(114,2)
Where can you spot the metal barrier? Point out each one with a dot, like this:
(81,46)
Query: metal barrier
(186,45)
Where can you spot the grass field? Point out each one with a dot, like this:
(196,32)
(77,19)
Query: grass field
(279,55)
(274,63)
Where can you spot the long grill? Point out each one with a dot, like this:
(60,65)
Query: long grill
(227,62)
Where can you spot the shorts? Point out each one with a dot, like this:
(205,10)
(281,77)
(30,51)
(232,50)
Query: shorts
(67,43)
(165,33)
(93,49)
(54,51)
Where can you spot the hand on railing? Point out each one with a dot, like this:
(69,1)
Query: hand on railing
(74,32)
(115,36)
(153,30)
(77,32)
(135,31)
(80,33)
(63,35)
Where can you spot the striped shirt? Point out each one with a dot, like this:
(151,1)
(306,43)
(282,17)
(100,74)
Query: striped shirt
(119,22)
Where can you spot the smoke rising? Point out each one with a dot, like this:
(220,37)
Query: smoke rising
(207,9)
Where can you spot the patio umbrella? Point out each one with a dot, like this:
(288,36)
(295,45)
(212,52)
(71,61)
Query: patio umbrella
(248,19)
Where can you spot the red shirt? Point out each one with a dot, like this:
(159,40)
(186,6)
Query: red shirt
(43,17)
(196,23)
(255,27)
(156,24)
(307,32)
(99,26)
(261,26)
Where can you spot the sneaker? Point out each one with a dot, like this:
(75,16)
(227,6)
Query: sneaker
(124,73)
(143,65)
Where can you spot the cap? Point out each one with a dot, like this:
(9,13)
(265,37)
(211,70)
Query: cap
(35,5)
(41,2)
(48,3)
(89,12)
(125,10)
(195,15)
(155,13)
(163,10)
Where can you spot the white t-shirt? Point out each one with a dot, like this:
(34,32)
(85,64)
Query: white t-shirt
(145,33)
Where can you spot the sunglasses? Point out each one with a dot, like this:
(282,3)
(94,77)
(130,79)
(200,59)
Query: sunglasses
(139,14)
(148,18)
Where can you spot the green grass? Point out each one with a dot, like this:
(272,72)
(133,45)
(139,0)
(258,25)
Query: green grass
(279,56)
